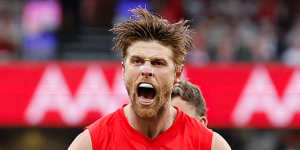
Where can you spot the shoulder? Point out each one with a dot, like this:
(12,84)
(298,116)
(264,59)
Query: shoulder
(104,121)
(104,125)
(196,126)
(200,134)
(82,141)
(219,143)
(95,132)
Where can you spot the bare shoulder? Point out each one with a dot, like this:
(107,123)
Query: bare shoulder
(219,143)
(82,141)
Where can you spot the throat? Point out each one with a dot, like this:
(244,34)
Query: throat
(152,133)
(151,128)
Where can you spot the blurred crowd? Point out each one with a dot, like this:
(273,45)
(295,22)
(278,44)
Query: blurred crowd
(224,30)
(246,30)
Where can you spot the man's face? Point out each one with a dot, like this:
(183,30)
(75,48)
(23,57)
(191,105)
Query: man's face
(188,109)
(149,74)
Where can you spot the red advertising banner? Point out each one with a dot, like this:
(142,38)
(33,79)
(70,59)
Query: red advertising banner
(64,94)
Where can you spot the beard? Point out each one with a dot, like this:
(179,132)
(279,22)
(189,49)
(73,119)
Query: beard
(163,95)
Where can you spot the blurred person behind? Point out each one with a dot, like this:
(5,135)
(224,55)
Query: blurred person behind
(172,10)
(188,97)
(246,33)
(292,55)
(198,54)
(226,49)
(98,13)
(219,30)
(7,39)
(195,10)
(39,39)
(263,47)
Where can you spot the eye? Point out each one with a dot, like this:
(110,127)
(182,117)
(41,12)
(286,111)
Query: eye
(157,63)
(137,61)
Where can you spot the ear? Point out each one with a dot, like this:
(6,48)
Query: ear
(123,66)
(203,120)
(123,69)
(178,73)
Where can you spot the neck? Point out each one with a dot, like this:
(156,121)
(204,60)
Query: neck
(151,127)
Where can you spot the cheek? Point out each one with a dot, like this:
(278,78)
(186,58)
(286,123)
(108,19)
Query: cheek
(129,73)
(167,76)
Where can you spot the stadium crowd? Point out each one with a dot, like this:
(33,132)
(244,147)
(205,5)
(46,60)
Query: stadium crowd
(224,30)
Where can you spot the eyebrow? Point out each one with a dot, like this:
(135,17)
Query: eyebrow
(136,56)
(151,58)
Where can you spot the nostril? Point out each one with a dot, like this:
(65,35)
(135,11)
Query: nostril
(147,74)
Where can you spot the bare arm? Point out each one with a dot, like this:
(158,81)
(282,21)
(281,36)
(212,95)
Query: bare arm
(82,142)
(219,143)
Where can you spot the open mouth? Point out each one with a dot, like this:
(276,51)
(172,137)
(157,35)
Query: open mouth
(146,91)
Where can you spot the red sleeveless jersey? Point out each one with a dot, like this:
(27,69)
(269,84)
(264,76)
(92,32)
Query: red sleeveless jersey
(113,132)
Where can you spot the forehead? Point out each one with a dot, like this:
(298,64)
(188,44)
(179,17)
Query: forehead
(149,49)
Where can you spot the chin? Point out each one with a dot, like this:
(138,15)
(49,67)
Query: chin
(146,112)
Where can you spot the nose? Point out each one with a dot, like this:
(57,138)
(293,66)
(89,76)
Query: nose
(147,74)
(146,70)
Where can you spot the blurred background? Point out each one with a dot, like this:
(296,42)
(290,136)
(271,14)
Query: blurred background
(59,74)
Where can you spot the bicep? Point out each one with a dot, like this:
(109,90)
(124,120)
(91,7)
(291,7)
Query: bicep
(82,142)
(219,143)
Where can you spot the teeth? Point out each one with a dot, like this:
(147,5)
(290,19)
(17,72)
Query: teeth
(145,85)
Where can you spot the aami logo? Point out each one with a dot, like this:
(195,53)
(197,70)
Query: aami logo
(260,95)
(93,94)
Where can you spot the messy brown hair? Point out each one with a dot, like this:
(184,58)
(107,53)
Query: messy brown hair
(144,26)
(191,94)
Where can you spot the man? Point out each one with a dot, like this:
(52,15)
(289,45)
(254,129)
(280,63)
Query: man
(188,98)
(153,51)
